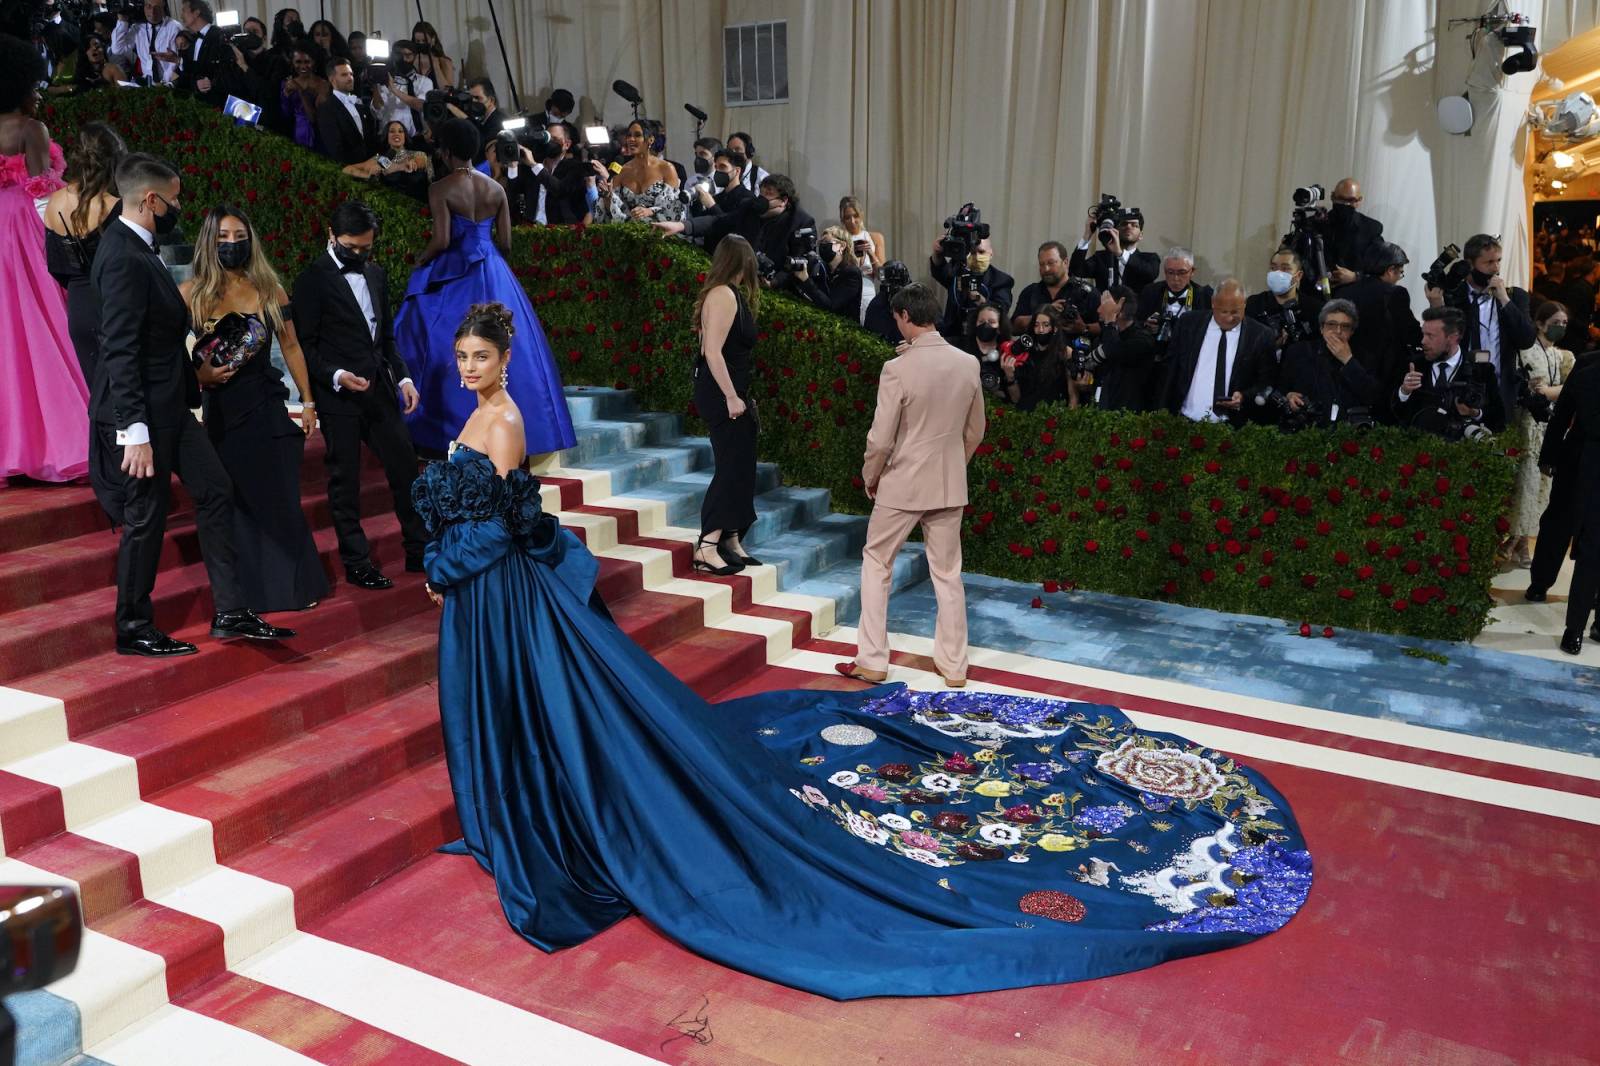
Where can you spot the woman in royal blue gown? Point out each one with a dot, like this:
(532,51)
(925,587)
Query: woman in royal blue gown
(878,842)
(463,265)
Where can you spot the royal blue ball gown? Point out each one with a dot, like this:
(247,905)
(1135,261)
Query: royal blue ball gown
(470,271)
(874,843)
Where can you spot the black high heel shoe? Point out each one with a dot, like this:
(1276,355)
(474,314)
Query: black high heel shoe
(703,567)
(731,556)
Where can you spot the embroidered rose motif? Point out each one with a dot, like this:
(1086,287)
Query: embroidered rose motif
(844,778)
(916,839)
(960,764)
(1018,857)
(866,829)
(915,796)
(1163,771)
(940,783)
(950,822)
(895,822)
(895,771)
(1022,814)
(927,858)
(1000,833)
(979,852)
(871,792)
(993,788)
(813,795)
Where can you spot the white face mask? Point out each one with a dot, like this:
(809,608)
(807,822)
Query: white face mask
(1279,281)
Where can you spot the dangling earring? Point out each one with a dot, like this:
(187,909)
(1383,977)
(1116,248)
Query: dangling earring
(505,377)
(461,382)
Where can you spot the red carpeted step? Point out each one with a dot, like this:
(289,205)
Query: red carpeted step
(255,799)
(706,659)
(52,635)
(332,859)
(30,810)
(31,515)
(185,738)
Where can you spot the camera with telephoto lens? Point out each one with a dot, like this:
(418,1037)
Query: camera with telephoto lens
(516,134)
(894,276)
(1169,317)
(802,249)
(766,269)
(41,931)
(1530,399)
(1084,357)
(1274,406)
(1109,214)
(1020,347)
(1448,269)
(962,232)
(1308,235)
(1294,328)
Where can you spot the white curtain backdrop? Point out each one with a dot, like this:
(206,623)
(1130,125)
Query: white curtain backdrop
(1205,113)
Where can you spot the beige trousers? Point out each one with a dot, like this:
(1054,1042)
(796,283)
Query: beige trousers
(941,535)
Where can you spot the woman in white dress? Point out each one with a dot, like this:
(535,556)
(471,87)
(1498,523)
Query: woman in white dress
(1548,367)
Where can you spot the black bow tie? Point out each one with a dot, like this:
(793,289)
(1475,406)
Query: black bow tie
(346,268)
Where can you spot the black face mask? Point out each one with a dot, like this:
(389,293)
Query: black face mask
(986,332)
(295,29)
(828,253)
(1342,213)
(721,179)
(702,165)
(168,222)
(1480,279)
(402,66)
(233,254)
(351,259)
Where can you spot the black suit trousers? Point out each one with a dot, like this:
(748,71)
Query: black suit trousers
(183,450)
(374,420)
(1555,530)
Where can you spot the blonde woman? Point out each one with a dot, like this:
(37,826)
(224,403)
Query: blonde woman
(238,304)
(847,288)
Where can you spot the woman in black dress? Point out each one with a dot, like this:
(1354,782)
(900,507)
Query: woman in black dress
(725,318)
(73,219)
(237,305)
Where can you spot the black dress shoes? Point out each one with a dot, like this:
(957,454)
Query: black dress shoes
(414,564)
(247,625)
(153,643)
(367,577)
(1572,641)
(1534,594)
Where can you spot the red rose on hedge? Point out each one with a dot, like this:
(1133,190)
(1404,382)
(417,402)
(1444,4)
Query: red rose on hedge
(1347,594)
(1208,576)
(1265,581)
(1091,546)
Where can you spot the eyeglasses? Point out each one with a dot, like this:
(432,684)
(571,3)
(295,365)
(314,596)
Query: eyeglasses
(1185,272)
(1339,327)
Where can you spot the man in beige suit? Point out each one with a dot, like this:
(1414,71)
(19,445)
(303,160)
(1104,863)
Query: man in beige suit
(928,423)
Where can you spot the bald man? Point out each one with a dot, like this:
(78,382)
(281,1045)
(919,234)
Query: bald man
(1352,233)
(1217,359)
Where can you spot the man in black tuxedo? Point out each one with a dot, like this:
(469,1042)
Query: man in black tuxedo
(144,388)
(731,198)
(1424,396)
(211,69)
(1560,459)
(1496,317)
(346,126)
(1581,396)
(1218,358)
(1120,262)
(343,320)
(1386,328)
(1175,294)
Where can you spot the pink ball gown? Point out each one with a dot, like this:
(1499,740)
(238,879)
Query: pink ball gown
(44,404)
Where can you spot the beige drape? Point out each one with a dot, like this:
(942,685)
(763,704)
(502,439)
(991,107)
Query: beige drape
(1205,114)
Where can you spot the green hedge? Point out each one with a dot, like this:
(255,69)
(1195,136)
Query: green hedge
(1386,530)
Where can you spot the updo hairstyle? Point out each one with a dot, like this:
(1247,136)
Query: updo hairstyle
(492,322)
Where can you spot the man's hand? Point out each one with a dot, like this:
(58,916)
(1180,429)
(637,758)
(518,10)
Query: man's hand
(1341,275)
(668,227)
(1435,296)
(408,393)
(1467,412)
(138,460)
(1412,381)
(938,253)
(704,194)
(1296,401)
(1114,245)
(1233,403)
(1110,308)
(974,297)
(1088,223)
(349,381)
(1339,348)
(1497,287)
(872,490)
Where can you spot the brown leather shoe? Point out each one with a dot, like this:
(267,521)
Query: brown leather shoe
(954,682)
(851,670)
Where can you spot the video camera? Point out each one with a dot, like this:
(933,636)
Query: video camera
(1272,405)
(1109,214)
(1536,403)
(515,134)
(1448,270)
(1169,317)
(962,232)
(766,269)
(1308,234)
(1293,327)
(894,276)
(132,10)
(435,105)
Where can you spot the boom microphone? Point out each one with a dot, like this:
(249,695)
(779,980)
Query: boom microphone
(699,115)
(627,92)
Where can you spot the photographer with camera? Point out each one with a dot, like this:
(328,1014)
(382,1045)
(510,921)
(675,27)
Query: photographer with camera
(146,39)
(1281,307)
(1033,365)
(1124,362)
(878,318)
(726,194)
(1056,288)
(841,286)
(1350,233)
(1322,380)
(563,174)
(1495,316)
(971,281)
(782,233)
(1162,303)
(987,337)
(347,130)
(1119,261)
(1215,360)
(491,121)
(1448,393)
(1386,330)
(398,91)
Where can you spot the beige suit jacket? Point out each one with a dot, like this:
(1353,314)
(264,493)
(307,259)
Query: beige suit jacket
(928,423)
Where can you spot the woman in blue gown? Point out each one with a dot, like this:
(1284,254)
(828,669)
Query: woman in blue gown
(870,843)
(463,265)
